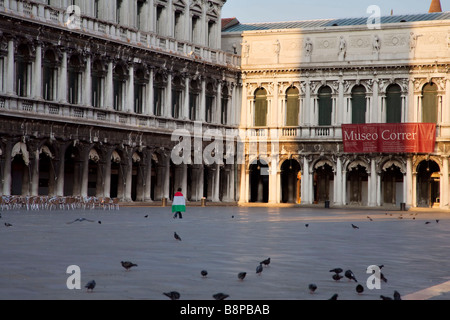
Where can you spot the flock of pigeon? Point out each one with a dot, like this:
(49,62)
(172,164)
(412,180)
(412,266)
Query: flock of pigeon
(174,295)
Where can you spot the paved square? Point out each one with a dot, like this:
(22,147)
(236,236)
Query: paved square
(39,246)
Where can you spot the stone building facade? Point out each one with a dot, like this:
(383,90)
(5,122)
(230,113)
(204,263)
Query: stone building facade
(92,91)
(303,80)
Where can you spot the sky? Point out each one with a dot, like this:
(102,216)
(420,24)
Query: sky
(248,11)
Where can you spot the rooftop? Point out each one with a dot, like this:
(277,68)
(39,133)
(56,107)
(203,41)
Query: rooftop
(306,24)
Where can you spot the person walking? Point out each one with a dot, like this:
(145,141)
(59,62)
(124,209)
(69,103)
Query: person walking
(178,204)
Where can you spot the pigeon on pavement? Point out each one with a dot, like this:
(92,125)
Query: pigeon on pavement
(176,236)
(173,295)
(80,220)
(337,270)
(220,296)
(128,265)
(90,285)
(259,269)
(241,275)
(312,288)
(334,297)
(354,227)
(397,295)
(350,276)
(8,224)
(204,273)
(337,277)
(265,262)
(359,289)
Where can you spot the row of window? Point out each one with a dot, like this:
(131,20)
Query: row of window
(181,21)
(393,105)
(120,78)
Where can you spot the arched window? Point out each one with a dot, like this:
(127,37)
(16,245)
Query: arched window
(430,103)
(177,97)
(292,107)
(194,94)
(359,105)
(261,107)
(325,106)
(394,104)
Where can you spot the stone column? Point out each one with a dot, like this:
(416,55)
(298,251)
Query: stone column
(87,83)
(10,78)
(372,184)
(107,173)
(128,176)
(444,183)
(218,111)
(84,171)
(305,186)
(62,83)
(148,177)
(129,107)
(109,87)
(168,101)
(34,171)
(166,183)
(338,177)
(150,94)
(37,76)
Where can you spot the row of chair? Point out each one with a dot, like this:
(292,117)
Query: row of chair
(57,203)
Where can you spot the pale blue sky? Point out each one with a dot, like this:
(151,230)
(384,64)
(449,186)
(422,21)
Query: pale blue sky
(247,11)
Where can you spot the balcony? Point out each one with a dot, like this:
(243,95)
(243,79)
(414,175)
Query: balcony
(42,13)
(36,109)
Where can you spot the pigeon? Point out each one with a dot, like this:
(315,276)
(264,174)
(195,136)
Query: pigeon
(397,295)
(99,222)
(128,265)
(265,262)
(90,285)
(337,270)
(385,298)
(382,277)
(259,269)
(312,288)
(173,295)
(337,277)
(354,227)
(437,221)
(204,273)
(80,220)
(307,225)
(176,236)
(359,289)
(220,296)
(350,276)
(8,224)
(241,275)
(428,222)
(369,218)
(334,297)
(146,216)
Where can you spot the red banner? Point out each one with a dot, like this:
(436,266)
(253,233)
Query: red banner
(389,138)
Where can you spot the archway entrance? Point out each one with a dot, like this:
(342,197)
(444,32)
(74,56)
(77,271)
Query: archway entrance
(357,180)
(428,184)
(290,186)
(323,183)
(259,182)
(392,184)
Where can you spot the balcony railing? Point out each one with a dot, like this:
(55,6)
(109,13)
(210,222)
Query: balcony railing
(87,115)
(43,13)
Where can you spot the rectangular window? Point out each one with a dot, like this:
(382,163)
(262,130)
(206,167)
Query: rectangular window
(209,108)
(96,9)
(261,112)
(194,30)
(224,114)
(211,38)
(118,10)
(159,19)
(292,110)
(178,25)
(158,101)
(22,78)
(97,93)
(176,104)
(48,83)
(139,94)
(193,98)
(118,94)
(74,87)
(139,20)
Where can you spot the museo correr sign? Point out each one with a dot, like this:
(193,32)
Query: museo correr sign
(389,138)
